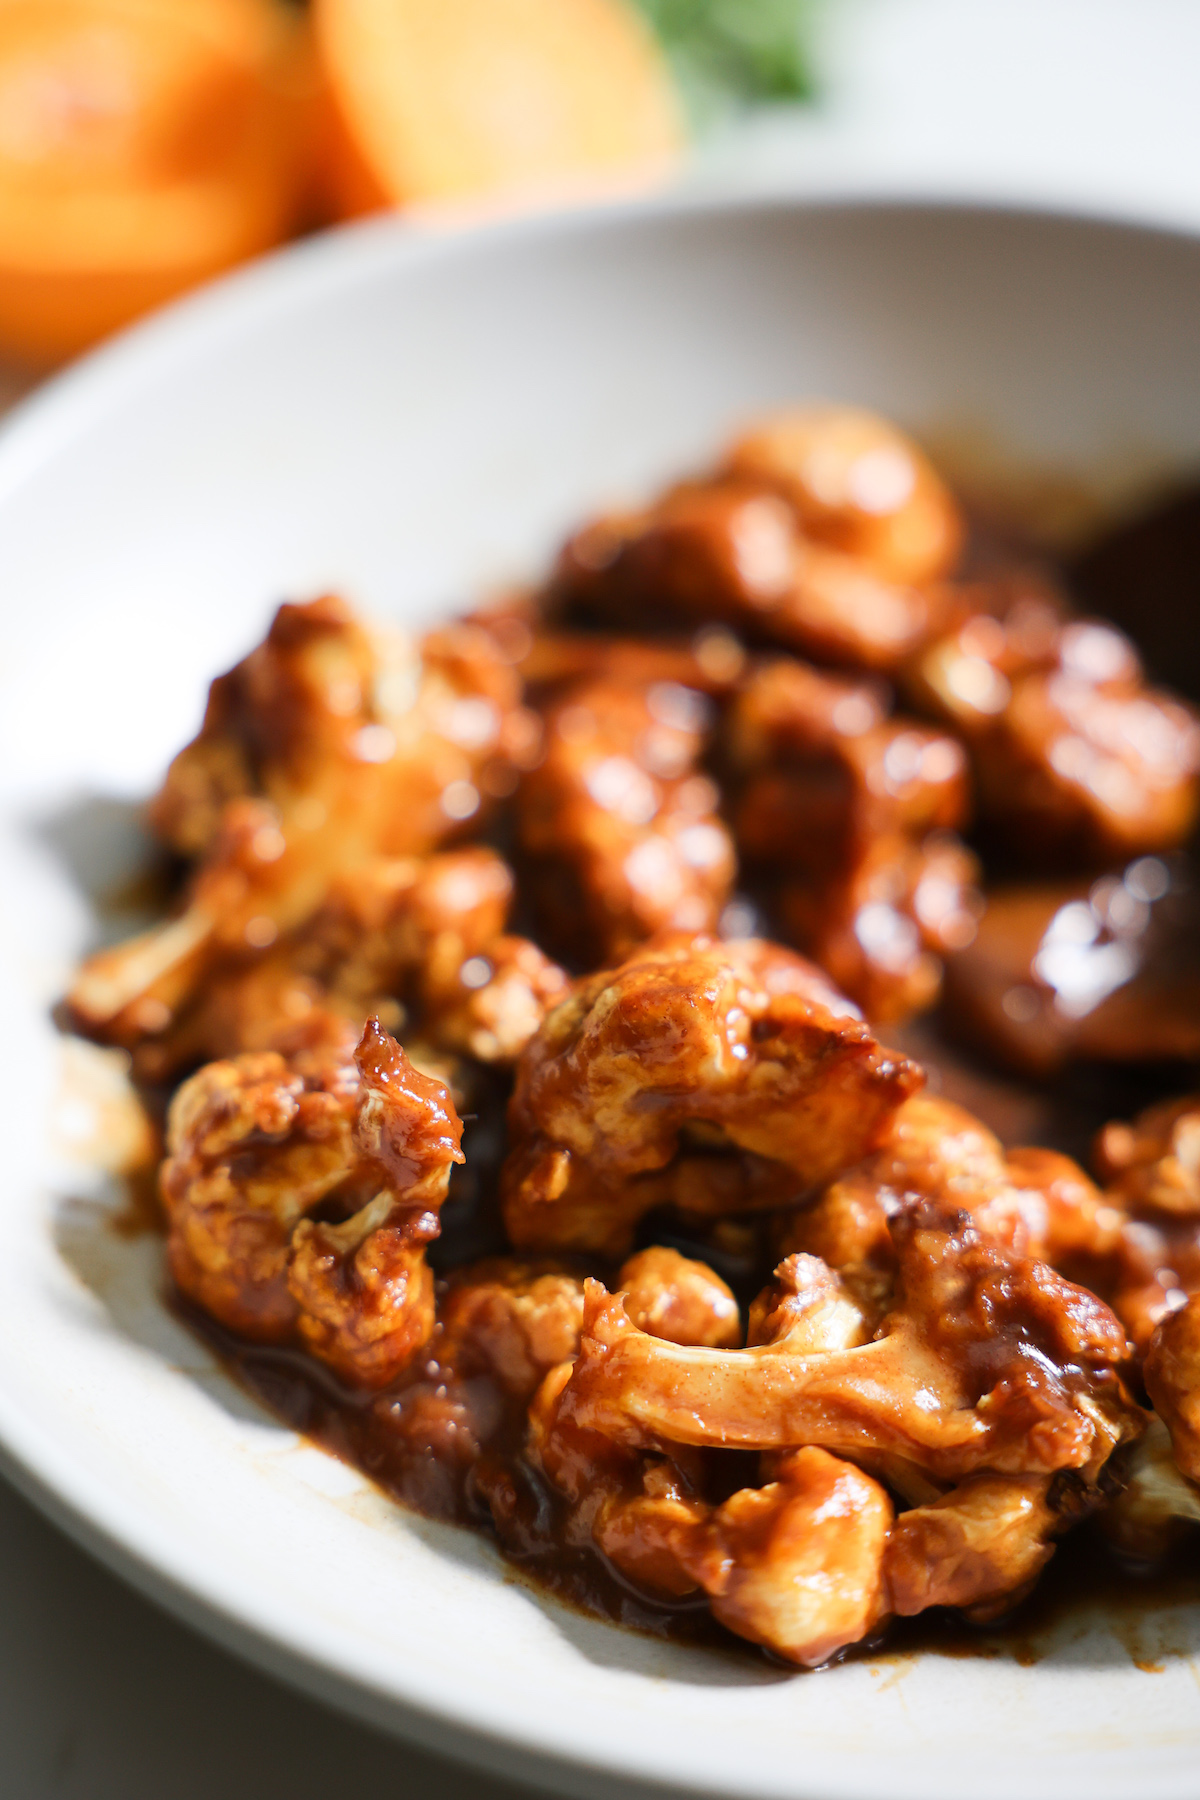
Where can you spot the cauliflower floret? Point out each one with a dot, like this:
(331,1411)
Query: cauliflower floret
(741,1045)
(517,1318)
(619,827)
(354,735)
(1154,1193)
(794,1565)
(1037,1202)
(988,1361)
(990,1379)
(673,1297)
(849,815)
(1172,1375)
(980,1547)
(824,531)
(858,484)
(1076,758)
(1157,1504)
(332,745)
(258,1143)
(398,937)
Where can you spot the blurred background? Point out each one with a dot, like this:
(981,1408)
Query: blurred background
(148,146)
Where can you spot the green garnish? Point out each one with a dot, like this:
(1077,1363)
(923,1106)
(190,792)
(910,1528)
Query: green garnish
(730,54)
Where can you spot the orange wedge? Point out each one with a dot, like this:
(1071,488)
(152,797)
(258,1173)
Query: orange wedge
(437,100)
(144,146)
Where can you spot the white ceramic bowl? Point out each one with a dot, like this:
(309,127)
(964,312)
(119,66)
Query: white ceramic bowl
(409,417)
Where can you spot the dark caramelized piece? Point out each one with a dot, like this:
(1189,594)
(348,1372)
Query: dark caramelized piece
(882,930)
(1145,576)
(848,812)
(1106,971)
(1077,760)
(823,774)
(618,826)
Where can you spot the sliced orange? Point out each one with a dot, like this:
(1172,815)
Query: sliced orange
(435,100)
(144,146)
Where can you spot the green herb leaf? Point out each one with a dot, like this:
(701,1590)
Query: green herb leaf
(729,54)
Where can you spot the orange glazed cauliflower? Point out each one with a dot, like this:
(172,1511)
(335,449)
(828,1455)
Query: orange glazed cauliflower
(710,1075)
(258,1144)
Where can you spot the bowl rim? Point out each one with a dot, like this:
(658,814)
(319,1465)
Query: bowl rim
(45,423)
(341,256)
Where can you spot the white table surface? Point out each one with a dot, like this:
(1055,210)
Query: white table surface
(1088,102)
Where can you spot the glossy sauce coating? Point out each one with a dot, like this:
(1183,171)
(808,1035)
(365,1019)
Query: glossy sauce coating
(734,1327)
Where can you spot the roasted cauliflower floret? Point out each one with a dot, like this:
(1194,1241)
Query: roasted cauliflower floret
(673,1297)
(756,548)
(137,988)
(495,1000)
(1172,1375)
(288,1128)
(980,1547)
(731,552)
(391,923)
(794,1565)
(857,484)
(1154,1267)
(354,735)
(849,814)
(1157,1505)
(1076,758)
(1034,1201)
(815,1559)
(517,1318)
(401,937)
(1154,1163)
(1154,1191)
(738,1047)
(619,827)
(258,1143)
(330,746)
(988,1361)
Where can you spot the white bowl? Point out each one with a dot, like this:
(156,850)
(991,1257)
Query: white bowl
(409,417)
